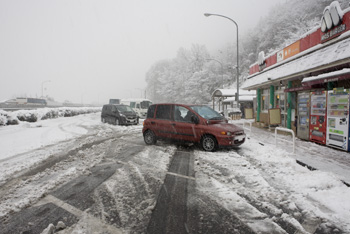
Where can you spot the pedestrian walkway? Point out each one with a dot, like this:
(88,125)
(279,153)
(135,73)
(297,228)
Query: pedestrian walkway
(315,156)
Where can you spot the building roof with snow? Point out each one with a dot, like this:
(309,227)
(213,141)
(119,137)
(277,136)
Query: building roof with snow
(322,50)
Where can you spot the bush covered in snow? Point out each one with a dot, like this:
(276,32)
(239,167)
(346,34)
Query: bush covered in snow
(6,118)
(12,118)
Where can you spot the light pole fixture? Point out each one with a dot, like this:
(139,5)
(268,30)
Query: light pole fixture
(209,14)
(42,87)
(222,69)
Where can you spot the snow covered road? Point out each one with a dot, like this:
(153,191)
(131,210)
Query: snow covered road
(99,178)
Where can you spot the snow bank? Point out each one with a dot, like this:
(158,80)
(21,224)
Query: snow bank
(14,118)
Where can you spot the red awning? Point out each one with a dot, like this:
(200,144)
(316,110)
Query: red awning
(296,89)
(328,77)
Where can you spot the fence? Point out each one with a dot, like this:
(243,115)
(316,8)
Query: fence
(285,130)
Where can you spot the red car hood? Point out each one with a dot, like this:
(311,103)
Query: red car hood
(222,126)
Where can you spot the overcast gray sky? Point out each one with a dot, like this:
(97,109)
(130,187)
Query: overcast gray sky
(95,50)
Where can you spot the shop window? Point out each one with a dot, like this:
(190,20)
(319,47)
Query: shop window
(265,100)
(281,102)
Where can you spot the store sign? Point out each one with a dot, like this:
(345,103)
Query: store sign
(291,50)
(296,89)
(331,22)
(333,33)
(288,52)
(330,80)
(280,56)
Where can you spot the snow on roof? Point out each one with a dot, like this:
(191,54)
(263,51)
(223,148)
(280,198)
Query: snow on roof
(326,75)
(323,56)
(241,99)
(231,93)
(224,92)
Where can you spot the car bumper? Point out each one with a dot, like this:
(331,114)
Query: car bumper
(227,141)
(129,121)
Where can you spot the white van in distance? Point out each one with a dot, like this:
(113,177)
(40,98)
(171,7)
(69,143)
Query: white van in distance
(139,105)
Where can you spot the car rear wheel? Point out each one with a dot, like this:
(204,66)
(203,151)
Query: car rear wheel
(209,143)
(117,121)
(103,120)
(149,137)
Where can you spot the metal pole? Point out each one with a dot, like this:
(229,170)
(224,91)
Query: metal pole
(42,87)
(209,14)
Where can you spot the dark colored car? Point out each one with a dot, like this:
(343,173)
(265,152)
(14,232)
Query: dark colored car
(193,123)
(119,115)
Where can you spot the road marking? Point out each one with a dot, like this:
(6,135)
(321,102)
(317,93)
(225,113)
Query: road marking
(71,209)
(179,175)
(75,211)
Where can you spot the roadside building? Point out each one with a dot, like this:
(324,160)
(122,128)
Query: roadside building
(227,102)
(299,78)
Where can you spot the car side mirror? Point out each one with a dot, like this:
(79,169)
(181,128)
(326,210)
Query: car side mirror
(194,119)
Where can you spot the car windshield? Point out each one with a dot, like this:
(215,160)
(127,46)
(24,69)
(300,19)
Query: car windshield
(124,108)
(207,112)
(145,104)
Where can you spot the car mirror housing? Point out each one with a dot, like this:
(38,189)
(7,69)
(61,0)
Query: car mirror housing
(195,119)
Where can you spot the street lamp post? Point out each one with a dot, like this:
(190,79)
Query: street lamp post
(42,87)
(209,14)
(222,70)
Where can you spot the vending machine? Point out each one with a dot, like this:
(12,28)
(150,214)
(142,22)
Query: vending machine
(338,118)
(318,116)
(303,116)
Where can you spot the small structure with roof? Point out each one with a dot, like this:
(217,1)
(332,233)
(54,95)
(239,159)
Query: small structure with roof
(227,101)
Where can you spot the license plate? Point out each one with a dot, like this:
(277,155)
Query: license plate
(239,138)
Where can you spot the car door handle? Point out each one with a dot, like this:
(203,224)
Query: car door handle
(152,122)
(173,124)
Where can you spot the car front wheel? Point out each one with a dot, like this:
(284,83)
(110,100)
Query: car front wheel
(149,137)
(208,143)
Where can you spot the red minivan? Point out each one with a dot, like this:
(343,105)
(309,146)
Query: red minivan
(193,123)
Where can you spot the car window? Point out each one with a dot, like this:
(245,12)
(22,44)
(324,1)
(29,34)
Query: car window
(163,112)
(123,108)
(145,104)
(182,114)
(207,112)
(150,112)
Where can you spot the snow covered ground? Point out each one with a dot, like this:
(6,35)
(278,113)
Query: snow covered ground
(260,183)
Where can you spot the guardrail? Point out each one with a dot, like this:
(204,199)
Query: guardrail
(285,130)
(250,125)
(246,122)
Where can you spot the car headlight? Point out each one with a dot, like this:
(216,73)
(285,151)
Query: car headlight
(226,133)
